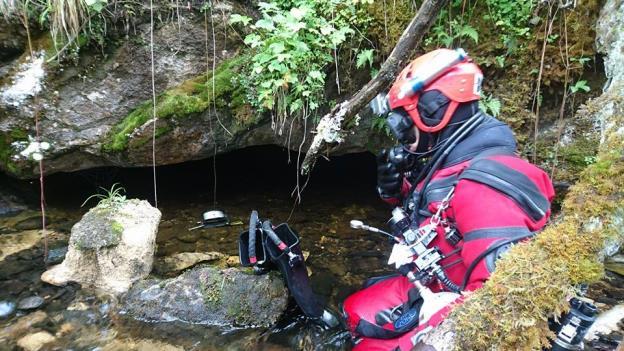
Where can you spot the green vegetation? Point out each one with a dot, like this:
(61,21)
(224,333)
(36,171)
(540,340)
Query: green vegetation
(7,151)
(117,228)
(73,24)
(191,97)
(292,45)
(110,199)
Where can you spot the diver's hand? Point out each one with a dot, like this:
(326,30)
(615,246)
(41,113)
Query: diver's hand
(389,179)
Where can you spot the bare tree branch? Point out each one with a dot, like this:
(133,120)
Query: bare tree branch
(329,130)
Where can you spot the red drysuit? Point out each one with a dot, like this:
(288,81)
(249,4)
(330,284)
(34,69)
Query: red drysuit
(497,197)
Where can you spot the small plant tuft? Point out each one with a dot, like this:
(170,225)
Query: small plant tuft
(111,198)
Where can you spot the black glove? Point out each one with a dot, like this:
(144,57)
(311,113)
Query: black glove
(389,179)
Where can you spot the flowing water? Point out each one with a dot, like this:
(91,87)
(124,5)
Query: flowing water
(340,257)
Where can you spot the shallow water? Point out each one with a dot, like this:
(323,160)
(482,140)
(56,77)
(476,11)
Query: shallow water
(340,258)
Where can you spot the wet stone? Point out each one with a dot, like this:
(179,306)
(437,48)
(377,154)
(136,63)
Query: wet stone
(56,256)
(29,223)
(184,260)
(11,268)
(23,325)
(13,287)
(6,309)
(30,303)
(188,236)
(208,295)
(36,341)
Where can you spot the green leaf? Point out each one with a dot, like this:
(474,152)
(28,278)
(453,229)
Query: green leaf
(298,13)
(316,75)
(277,48)
(96,5)
(327,29)
(236,18)
(470,32)
(266,24)
(580,85)
(252,40)
(363,57)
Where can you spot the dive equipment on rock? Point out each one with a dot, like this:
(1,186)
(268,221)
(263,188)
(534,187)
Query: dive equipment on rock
(572,330)
(251,249)
(279,246)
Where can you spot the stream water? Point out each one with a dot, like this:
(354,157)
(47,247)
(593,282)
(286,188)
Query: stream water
(340,258)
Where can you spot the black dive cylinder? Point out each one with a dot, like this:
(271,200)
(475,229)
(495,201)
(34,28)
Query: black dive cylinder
(574,326)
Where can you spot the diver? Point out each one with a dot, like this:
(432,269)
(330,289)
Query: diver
(460,191)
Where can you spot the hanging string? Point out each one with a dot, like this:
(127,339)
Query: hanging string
(210,127)
(153,102)
(44,233)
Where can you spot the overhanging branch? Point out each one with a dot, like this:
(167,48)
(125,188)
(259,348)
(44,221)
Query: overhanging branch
(329,130)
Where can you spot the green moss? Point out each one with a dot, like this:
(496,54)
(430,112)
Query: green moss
(7,151)
(117,229)
(188,99)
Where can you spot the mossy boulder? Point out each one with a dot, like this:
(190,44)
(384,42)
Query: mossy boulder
(110,248)
(209,295)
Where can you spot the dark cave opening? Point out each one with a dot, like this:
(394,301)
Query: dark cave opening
(261,169)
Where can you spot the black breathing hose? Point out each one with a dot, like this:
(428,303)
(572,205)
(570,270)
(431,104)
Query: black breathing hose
(447,150)
(440,155)
(267,227)
(253,226)
(447,282)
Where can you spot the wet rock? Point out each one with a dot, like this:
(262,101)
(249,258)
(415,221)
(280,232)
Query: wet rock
(208,295)
(12,268)
(65,328)
(10,205)
(188,236)
(57,255)
(110,248)
(6,309)
(30,303)
(606,323)
(12,287)
(184,260)
(233,261)
(141,345)
(36,341)
(615,267)
(23,325)
(30,223)
(14,243)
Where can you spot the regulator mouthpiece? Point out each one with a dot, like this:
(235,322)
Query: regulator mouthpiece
(355,224)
